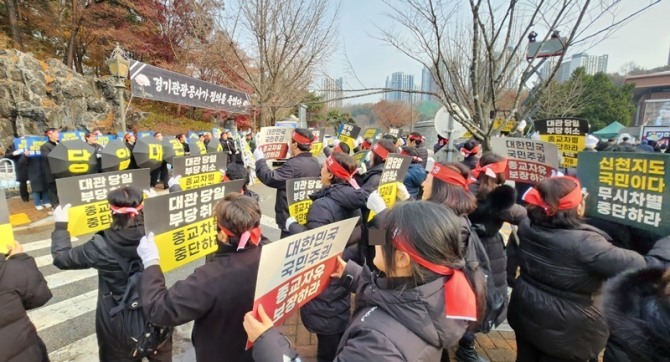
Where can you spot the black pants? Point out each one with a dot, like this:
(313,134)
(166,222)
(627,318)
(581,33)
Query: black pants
(326,349)
(160,175)
(527,352)
(23,190)
(284,233)
(52,193)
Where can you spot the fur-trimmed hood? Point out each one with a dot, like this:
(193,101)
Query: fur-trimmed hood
(637,309)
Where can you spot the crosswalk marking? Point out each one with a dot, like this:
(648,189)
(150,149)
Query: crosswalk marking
(69,276)
(86,350)
(60,312)
(41,244)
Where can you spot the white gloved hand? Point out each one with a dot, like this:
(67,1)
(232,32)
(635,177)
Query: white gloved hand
(149,193)
(61,213)
(402,194)
(148,251)
(363,169)
(98,155)
(289,221)
(174,180)
(430,163)
(237,152)
(258,154)
(376,202)
(17,152)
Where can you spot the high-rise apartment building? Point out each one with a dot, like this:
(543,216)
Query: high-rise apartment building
(331,91)
(428,84)
(592,64)
(400,81)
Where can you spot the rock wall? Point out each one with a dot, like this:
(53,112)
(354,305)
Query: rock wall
(36,95)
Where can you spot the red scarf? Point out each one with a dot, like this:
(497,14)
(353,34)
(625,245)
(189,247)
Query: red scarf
(449,175)
(567,202)
(491,170)
(336,169)
(254,235)
(459,298)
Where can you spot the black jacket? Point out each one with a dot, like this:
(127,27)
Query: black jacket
(35,177)
(423,153)
(370,180)
(45,150)
(555,301)
(638,314)
(394,325)
(216,296)
(470,161)
(328,313)
(301,165)
(22,287)
(133,163)
(497,208)
(20,163)
(100,253)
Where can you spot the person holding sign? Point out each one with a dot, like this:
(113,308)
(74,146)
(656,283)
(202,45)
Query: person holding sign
(218,294)
(113,253)
(554,309)
(416,173)
(341,198)
(422,305)
(47,178)
(380,152)
(129,139)
(301,164)
(22,287)
(416,140)
(495,206)
(470,151)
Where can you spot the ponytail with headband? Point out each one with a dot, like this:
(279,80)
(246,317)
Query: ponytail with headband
(336,169)
(567,202)
(253,235)
(133,211)
(459,298)
(491,170)
(449,175)
(380,151)
(301,139)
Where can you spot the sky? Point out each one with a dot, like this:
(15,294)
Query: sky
(362,60)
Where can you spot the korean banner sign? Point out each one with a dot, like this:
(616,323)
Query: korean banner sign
(199,170)
(567,133)
(528,161)
(274,141)
(6,231)
(297,194)
(147,81)
(71,136)
(628,188)
(88,196)
(317,145)
(348,133)
(294,270)
(372,133)
(360,157)
(103,140)
(31,144)
(658,134)
(395,169)
(188,231)
(395,132)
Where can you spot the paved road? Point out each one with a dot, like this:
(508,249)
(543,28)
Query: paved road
(67,322)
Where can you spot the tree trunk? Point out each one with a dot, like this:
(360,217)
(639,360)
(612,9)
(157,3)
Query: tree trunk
(69,60)
(13,17)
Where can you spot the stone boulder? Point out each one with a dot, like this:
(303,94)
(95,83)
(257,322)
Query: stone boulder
(36,95)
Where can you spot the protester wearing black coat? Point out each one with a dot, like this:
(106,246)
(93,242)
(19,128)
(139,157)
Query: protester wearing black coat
(216,296)
(100,253)
(22,287)
(300,165)
(47,177)
(393,325)
(327,315)
(20,168)
(497,208)
(637,309)
(554,309)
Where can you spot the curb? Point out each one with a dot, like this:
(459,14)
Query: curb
(37,226)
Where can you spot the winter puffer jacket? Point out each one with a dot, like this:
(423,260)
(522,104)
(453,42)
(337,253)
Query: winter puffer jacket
(328,313)
(301,165)
(22,287)
(555,301)
(637,310)
(101,253)
(487,220)
(414,178)
(394,325)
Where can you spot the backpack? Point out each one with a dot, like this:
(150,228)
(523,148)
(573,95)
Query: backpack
(477,259)
(146,338)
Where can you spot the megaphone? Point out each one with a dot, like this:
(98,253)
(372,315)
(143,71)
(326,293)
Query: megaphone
(443,117)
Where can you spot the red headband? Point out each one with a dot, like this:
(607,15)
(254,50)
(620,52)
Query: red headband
(491,170)
(301,139)
(459,298)
(449,175)
(567,202)
(365,145)
(254,235)
(337,148)
(336,169)
(380,151)
(126,210)
(475,150)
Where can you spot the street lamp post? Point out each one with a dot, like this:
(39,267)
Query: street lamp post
(118,67)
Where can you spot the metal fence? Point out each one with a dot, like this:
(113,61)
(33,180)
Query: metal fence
(8,175)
